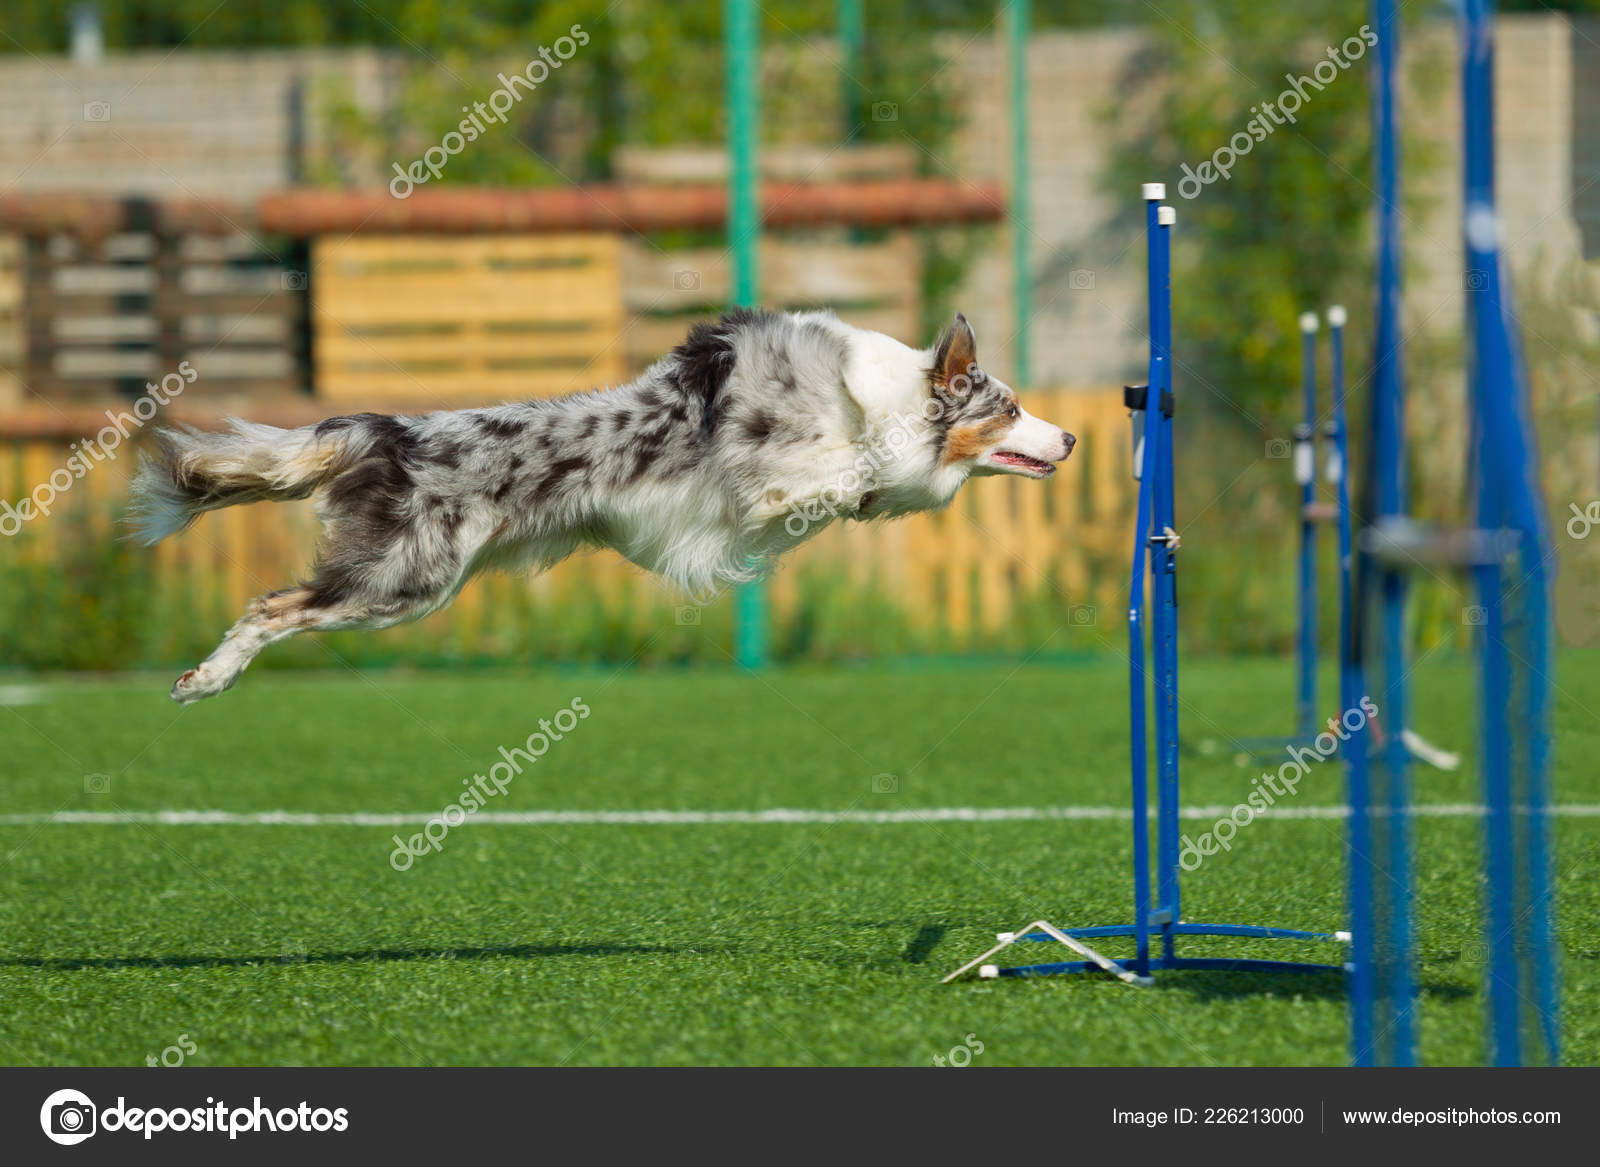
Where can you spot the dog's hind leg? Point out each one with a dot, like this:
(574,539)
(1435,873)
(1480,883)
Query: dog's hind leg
(384,561)
(277,616)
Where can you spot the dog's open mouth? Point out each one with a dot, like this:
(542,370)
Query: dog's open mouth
(1033,467)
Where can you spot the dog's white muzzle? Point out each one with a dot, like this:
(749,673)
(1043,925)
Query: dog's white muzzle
(1031,448)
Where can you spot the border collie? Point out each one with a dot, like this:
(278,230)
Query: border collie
(748,438)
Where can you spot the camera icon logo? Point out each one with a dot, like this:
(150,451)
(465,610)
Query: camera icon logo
(293,281)
(1082,615)
(97,111)
(686,281)
(97,783)
(1278,448)
(68,1117)
(886,784)
(1081,279)
(687,616)
(1474,280)
(885,111)
(1474,616)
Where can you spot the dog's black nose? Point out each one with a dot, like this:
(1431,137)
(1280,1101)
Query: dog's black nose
(1067,441)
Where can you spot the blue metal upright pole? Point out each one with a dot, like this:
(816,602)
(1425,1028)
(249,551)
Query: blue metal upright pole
(1489,373)
(1146,469)
(1523,1002)
(1164,596)
(1305,469)
(1382,986)
(1393,495)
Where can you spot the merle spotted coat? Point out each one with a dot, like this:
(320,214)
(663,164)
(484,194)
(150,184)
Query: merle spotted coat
(746,439)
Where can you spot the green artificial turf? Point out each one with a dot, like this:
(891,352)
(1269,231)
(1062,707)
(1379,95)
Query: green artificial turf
(770,943)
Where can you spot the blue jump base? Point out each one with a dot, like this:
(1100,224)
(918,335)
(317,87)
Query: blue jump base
(1174,962)
(1256,931)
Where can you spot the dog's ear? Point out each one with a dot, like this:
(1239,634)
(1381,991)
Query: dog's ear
(955,352)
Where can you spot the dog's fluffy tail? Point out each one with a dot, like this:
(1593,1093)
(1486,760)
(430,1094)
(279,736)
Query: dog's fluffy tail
(193,471)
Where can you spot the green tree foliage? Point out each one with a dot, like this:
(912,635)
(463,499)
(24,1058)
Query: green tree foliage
(1285,230)
(41,25)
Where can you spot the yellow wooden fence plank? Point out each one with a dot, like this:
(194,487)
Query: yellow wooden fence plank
(508,316)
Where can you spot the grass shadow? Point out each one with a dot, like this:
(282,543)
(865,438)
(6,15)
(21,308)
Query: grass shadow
(1209,985)
(923,943)
(359,956)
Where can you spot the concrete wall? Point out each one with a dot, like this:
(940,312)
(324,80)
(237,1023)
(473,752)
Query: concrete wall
(223,124)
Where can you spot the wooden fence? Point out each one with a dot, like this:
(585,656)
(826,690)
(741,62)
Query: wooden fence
(482,319)
(1003,542)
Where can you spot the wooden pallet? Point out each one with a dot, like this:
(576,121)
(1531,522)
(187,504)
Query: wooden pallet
(104,318)
(465,320)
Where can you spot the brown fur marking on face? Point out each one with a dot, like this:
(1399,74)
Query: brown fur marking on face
(965,442)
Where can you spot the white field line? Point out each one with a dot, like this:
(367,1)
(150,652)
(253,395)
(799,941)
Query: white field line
(552,818)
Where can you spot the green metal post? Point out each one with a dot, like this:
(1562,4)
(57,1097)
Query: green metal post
(1017,21)
(852,34)
(740,50)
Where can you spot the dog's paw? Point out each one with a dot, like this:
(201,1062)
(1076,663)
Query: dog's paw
(194,686)
(182,687)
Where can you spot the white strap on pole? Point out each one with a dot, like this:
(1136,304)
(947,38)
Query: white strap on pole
(1007,939)
(1305,470)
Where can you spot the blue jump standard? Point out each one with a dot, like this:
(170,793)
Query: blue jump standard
(1157,915)
(1313,514)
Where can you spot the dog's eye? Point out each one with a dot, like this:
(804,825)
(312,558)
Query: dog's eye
(1012,411)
